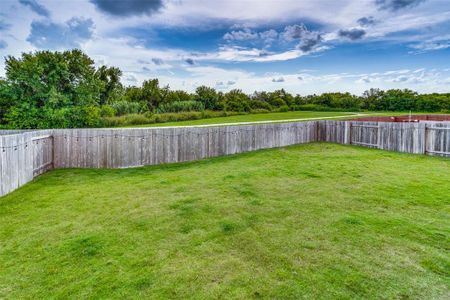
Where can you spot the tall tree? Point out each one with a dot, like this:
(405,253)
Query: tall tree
(152,94)
(51,89)
(112,89)
(209,97)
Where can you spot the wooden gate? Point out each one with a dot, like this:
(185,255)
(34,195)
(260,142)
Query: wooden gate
(365,135)
(437,139)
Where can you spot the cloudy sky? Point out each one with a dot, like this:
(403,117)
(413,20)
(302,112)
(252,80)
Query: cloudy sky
(304,46)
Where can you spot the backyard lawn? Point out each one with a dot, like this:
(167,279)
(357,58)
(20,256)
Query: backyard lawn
(316,221)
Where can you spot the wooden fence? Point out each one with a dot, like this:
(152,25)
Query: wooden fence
(432,138)
(26,154)
(23,156)
(120,148)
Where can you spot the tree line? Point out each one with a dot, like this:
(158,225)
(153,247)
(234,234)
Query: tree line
(46,89)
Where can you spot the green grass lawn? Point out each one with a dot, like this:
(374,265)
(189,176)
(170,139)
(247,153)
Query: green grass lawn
(253,118)
(316,221)
(279,116)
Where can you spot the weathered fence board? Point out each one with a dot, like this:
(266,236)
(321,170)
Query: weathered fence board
(42,154)
(401,137)
(437,140)
(121,148)
(26,154)
(23,156)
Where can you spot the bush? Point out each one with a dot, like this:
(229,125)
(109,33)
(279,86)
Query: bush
(107,111)
(125,107)
(236,100)
(148,118)
(284,108)
(179,106)
(208,97)
(131,119)
(315,107)
(258,104)
(92,116)
(277,102)
(173,117)
(260,111)
(214,114)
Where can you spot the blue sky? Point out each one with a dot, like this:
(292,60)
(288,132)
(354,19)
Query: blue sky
(303,46)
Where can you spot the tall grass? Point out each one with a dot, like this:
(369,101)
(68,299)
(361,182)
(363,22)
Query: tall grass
(180,106)
(126,107)
(141,119)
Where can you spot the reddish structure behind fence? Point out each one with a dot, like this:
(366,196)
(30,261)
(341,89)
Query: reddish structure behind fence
(406,118)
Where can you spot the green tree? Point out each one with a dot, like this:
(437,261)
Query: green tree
(236,100)
(5,100)
(177,96)
(132,94)
(152,94)
(281,98)
(399,100)
(373,100)
(209,97)
(112,89)
(51,89)
(260,100)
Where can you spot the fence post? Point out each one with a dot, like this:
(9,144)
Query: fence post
(348,132)
(422,136)
(318,127)
(379,136)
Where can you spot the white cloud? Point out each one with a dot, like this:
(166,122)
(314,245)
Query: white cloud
(243,54)
(241,35)
(430,46)
(419,80)
(423,28)
(269,36)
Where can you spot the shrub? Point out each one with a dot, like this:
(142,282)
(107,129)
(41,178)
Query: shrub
(125,107)
(258,104)
(107,111)
(131,119)
(179,106)
(277,102)
(148,118)
(213,114)
(283,108)
(208,97)
(92,116)
(260,111)
(315,107)
(236,100)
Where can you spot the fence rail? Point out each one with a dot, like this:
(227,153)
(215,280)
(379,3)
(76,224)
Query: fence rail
(27,154)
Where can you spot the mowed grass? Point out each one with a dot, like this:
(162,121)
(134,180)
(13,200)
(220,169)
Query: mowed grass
(280,117)
(316,221)
(291,115)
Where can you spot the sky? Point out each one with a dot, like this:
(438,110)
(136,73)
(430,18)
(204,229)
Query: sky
(303,46)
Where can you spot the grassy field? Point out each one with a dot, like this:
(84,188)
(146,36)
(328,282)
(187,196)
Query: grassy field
(291,115)
(316,221)
(253,118)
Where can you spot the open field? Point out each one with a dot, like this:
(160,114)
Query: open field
(291,115)
(277,117)
(310,221)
